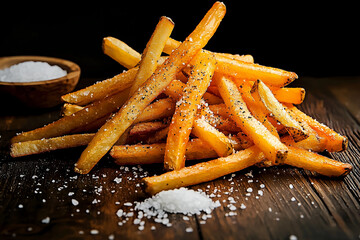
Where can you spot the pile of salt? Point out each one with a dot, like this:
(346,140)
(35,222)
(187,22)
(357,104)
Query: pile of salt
(182,200)
(31,71)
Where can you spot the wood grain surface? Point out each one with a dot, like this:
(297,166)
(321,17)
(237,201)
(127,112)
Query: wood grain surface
(42,198)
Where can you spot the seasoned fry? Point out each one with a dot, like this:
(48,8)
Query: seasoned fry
(176,88)
(171,44)
(215,139)
(313,142)
(115,127)
(101,89)
(45,145)
(335,143)
(257,110)
(162,108)
(273,149)
(121,52)
(68,124)
(203,172)
(154,153)
(185,112)
(279,112)
(314,162)
(69,109)
(252,72)
(152,52)
(289,95)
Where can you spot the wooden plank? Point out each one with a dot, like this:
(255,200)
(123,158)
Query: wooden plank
(348,94)
(340,196)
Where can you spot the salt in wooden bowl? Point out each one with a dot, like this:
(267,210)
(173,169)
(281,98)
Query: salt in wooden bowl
(41,94)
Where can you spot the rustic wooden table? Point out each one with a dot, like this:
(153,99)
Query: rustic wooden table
(42,198)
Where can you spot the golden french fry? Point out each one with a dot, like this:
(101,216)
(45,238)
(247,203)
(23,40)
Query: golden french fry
(69,124)
(314,162)
(152,52)
(121,52)
(171,44)
(116,126)
(273,149)
(186,109)
(154,153)
(289,95)
(335,141)
(203,172)
(102,89)
(279,112)
(252,72)
(217,140)
(313,142)
(175,90)
(162,108)
(49,144)
(257,109)
(69,109)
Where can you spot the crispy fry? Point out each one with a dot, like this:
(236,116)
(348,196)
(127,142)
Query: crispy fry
(175,90)
(152,52)
(114,128)
(77,120)
(215,139)
(289,95)
(273,149)
(313,142)
(69,109)
(102,89)
(257,110)
(279,112)
(185,112)
(141,131)
(203,172)
(121,52)
(159,136)
(154,153)
(45,145)
(250,71)
(171,44)
(314,162)
(335,141)
(162,108)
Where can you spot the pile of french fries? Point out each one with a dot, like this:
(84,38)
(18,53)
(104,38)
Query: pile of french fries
(190,104)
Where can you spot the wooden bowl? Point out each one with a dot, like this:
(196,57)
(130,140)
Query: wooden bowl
(41,94)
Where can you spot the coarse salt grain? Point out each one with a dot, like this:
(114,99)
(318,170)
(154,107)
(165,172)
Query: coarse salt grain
(31,71)
(74,202)
(46,220)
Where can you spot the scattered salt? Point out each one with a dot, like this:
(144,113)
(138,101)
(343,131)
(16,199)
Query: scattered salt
(94,231)
(31,71)
(46,220)
(74,202)
(293,237)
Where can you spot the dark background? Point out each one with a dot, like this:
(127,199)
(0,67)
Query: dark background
(312,39)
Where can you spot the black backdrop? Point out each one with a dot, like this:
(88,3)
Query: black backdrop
(312,39)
